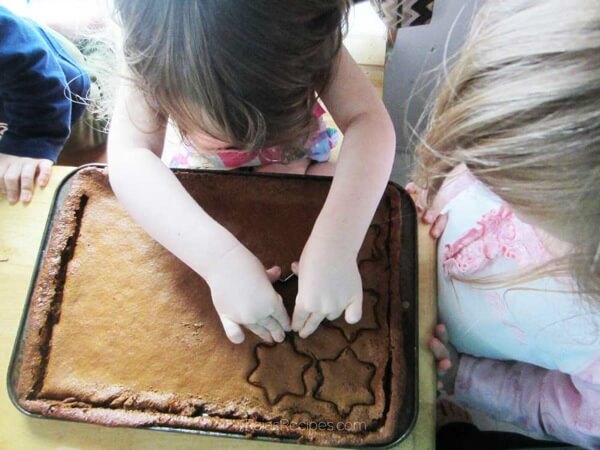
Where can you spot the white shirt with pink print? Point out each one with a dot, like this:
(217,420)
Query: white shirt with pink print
(530,350)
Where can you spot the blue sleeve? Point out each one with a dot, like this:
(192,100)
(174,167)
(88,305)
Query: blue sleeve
(34,90)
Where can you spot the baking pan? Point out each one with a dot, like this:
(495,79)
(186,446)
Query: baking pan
(407,410)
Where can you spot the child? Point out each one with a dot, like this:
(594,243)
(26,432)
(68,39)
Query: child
(41,91)
(509,170)
(245,76)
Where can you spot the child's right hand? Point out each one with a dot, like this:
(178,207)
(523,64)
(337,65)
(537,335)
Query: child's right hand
(18,176)
(243,294)
(431,216)
(446,359)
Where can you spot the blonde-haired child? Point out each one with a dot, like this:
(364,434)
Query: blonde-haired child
(509,177)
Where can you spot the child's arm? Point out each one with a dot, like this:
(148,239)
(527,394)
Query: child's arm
(241,291)
(538,400)
(535,399)
(329,281)
(34,105)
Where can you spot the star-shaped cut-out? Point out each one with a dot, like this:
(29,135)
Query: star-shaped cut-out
(368,320)
(325,343)
(279,371)
(343,391)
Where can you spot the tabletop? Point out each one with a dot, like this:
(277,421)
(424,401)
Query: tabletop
(21,230)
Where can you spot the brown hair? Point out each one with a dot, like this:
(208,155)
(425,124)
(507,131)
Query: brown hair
(246,72)
(520,109)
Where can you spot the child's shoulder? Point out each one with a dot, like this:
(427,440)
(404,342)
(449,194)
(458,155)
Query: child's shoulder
(9,20)
(482,228)
(16,32)
(458,182)
(541,320)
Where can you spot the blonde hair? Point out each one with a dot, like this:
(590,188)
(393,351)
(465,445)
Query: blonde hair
(520,109)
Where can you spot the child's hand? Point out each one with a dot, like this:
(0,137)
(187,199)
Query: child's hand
(446,359)
(243,295)
(18,176)
(430,216)
(328,283)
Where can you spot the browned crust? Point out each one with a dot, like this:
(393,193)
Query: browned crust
(42,314)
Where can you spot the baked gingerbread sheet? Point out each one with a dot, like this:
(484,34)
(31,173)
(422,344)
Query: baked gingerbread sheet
(120,332)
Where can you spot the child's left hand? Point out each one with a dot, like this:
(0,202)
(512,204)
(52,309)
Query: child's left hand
(430,216)
(329,283)
(446,359)
(19,175)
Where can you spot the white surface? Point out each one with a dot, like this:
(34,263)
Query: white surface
(366,38)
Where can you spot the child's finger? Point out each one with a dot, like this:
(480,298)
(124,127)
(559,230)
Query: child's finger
(334,315)
(45,167)
(27,179)
(438,348)
(429,216)
(295,268)
(354,310)
(417,193)
(281,315)
(444,364)
(439,226)
(274,273)
(411,188)
(311,325)
(273,327)
(12,178)
(299,317)
(232,330)
(261,332)
(440,371)
(441,333)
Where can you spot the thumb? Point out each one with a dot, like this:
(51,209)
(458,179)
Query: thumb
(411,188)
(232,330)
(45,170)
(295,268)
(274,273)
(354,310)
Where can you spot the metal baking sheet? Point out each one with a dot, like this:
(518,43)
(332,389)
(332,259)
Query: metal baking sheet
(409,325)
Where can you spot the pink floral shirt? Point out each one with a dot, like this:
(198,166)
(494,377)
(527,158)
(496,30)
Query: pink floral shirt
(223,157)
(531,350)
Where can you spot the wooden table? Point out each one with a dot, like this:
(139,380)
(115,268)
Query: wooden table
(21,229)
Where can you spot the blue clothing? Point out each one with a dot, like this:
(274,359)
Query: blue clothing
(38,82)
